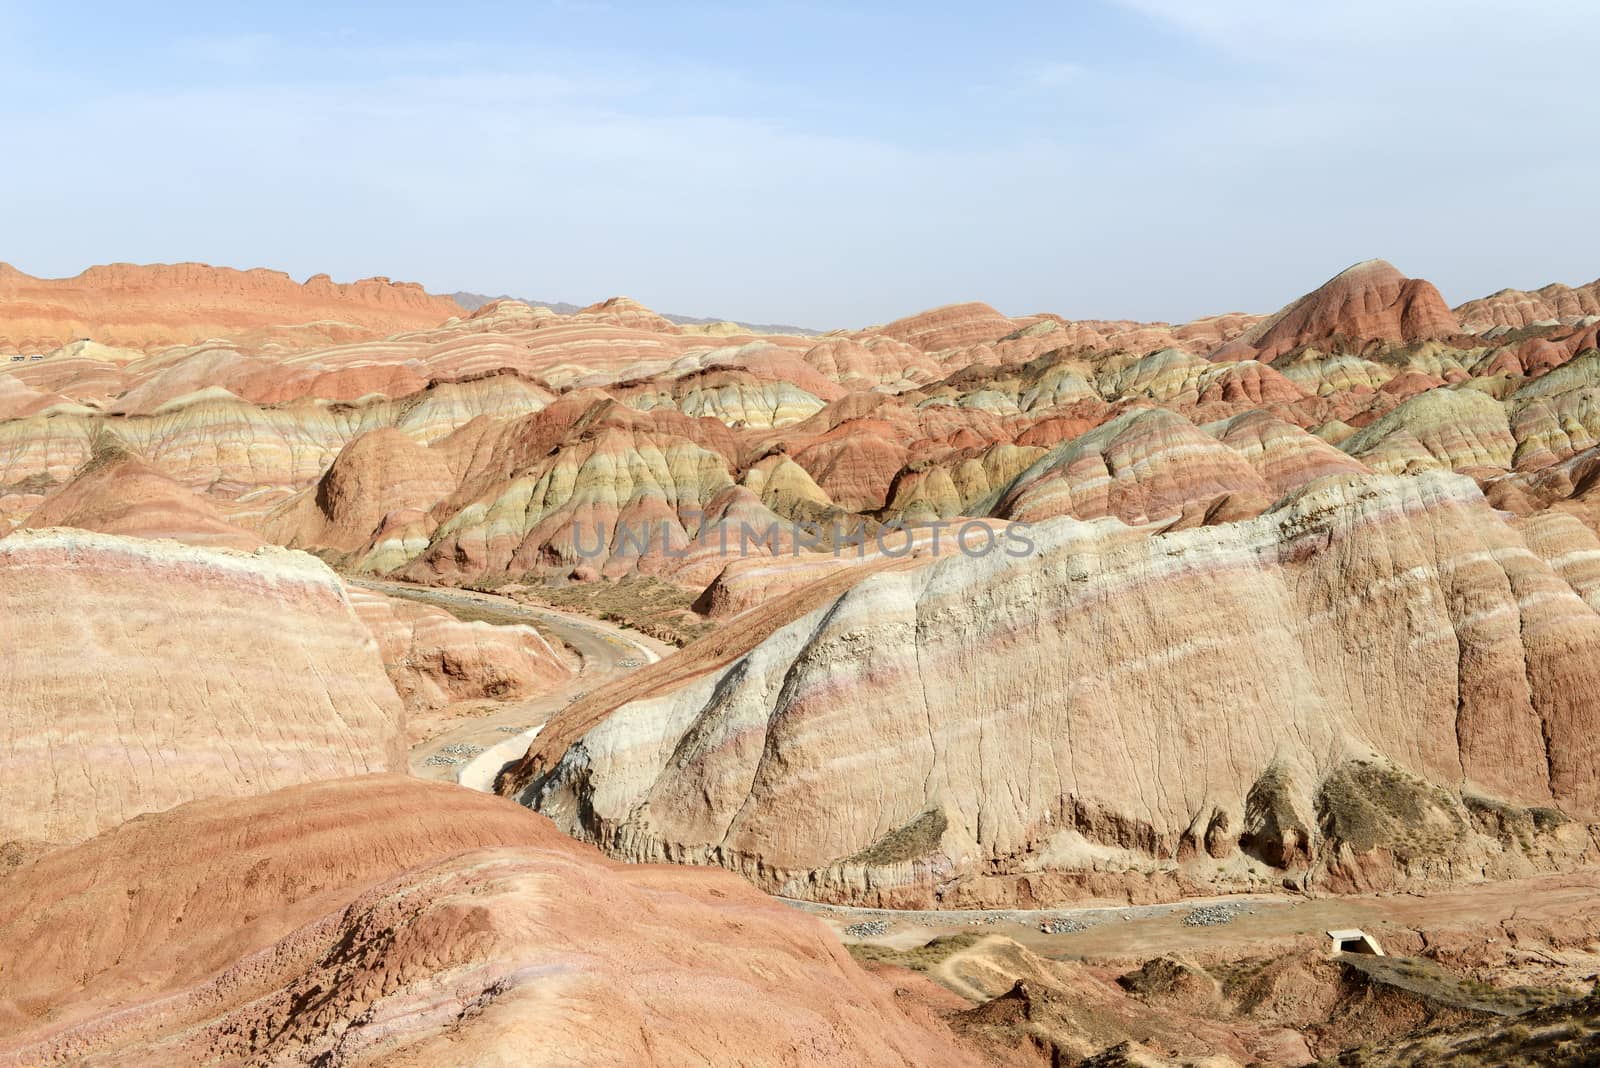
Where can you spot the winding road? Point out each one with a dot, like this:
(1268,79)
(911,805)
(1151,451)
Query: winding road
(503,735)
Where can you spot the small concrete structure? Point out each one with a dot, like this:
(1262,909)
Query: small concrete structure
(1353,940)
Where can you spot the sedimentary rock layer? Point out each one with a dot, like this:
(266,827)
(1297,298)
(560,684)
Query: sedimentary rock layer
(434,658)
(1334,690)
(1370,301)
(382,920)
(1514,309)
(138,674)
(159,305)
(115,492)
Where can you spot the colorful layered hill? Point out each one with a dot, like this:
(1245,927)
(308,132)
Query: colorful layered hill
(137,674)
(156,306)
(382,920)
(1371,301)
(1348,544)
(1515,309)
(1129,713)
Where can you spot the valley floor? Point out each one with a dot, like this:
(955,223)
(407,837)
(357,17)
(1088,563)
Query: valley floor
(1259,924)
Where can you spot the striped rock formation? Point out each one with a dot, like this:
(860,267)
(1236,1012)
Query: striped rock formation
(1370,301)
(245,458)
(435,659)
(117,493)
(383,920)
(371,505)
(570,485)
(1375,684)
(1285,456)
(138,674)
(1444,429)
(466,449)
(1146,466)
(948,327)
(929,416)
(160,305)
(1515,309)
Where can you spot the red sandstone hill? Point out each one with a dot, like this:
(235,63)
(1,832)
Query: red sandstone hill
(1371,301)
(382,920)
(1517,308)
(158,305)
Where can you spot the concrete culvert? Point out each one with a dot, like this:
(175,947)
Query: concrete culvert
(1353,940)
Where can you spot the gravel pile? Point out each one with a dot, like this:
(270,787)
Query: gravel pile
(1214,915)
(462,749)
(1062,925)
(868,929)
(630,663)
(510,729)
(439,760)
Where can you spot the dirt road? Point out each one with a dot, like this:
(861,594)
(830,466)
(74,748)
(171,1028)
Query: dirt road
(1140,932)
(473,752)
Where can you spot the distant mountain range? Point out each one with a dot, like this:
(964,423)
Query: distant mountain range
(474,301)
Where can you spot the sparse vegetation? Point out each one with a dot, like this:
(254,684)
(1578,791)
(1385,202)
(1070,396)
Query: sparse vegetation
(1431,980)
(919,958)
(649,605)
(1371,805)
(41,482)
(916,839)
(1559,1035)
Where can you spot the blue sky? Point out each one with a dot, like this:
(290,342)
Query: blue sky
(823,164)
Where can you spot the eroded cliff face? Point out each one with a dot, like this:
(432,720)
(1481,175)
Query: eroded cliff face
(1377,683)
(136,675)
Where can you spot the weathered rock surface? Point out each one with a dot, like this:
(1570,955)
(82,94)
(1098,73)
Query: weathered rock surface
(1325,690)
(373,499)
(1453,430)
(118,493)
(382,920)
(1370,301)
(434,658)
(947,327)
(136,675)
(1515,309)
(1147,466)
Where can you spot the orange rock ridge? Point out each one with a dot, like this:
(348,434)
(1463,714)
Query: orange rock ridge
(159,305)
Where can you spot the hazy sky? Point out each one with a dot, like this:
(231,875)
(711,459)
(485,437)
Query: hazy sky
(814,163)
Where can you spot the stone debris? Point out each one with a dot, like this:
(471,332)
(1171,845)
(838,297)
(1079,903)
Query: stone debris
(440,760)
(462,749)
(1214,915)
(868,929)
(1063,925)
